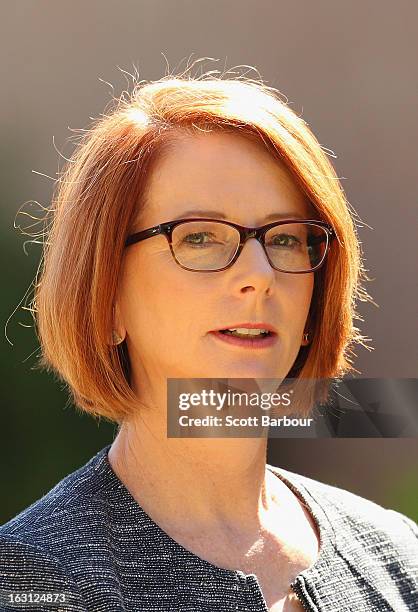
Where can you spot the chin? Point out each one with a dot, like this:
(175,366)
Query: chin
(246,371)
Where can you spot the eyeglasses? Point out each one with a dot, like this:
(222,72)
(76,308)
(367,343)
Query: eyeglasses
(210,245)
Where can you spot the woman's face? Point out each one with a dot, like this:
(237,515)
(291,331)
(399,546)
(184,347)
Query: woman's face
(167,312)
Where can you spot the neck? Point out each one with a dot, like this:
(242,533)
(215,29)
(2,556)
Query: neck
(216,484)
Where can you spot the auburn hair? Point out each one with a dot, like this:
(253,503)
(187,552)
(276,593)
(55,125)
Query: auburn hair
(97,199)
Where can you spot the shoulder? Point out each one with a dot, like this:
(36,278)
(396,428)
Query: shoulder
(348,508)
(26,567)
(65,508)
(359,525)
(38,547)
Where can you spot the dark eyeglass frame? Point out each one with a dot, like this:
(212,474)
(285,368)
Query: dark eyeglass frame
(166,229)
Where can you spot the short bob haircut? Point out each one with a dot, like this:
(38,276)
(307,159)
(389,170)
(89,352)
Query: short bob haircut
(99,196)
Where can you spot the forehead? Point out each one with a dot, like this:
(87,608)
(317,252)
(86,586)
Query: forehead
(227,172)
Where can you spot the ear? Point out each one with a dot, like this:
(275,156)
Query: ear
(307,329)
(118,326)
(305,342)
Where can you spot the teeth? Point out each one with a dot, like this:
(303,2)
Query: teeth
(249,332)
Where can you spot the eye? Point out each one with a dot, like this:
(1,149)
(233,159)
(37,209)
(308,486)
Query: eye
(196,238)
(285,240)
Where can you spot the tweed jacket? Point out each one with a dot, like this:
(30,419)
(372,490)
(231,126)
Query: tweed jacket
(90,546)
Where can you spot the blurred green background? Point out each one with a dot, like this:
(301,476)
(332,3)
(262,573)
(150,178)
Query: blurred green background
(347,74)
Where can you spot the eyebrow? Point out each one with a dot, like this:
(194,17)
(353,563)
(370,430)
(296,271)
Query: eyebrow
(215,214)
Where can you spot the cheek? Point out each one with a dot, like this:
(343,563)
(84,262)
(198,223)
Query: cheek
(299,295)
(164,304)
(308,291)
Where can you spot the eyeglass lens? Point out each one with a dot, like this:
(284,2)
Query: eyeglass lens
(207,245)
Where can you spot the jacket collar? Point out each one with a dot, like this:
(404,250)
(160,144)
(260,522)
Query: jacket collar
(345,564)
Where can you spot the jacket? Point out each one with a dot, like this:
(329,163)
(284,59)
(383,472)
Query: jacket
(88,539)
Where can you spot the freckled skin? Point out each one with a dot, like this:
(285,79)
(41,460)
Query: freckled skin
(167,312)
(212,495)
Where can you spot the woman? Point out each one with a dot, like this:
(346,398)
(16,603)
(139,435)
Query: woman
(125,301)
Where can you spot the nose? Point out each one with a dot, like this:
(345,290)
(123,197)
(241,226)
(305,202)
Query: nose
(253,255)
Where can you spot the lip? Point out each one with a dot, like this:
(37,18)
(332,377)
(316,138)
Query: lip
(262,325)
(251,343)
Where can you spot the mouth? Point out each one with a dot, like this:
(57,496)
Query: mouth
(247,336)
